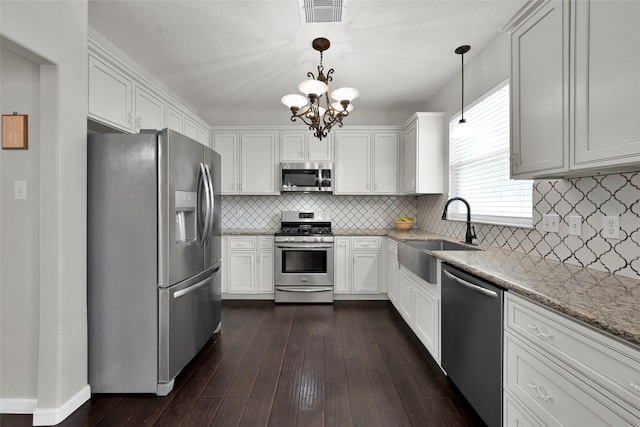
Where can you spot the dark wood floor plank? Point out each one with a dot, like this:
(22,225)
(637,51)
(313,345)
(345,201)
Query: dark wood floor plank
(285,403)
(337,408)
(221,379)
(202,412)
(122,412)
(15,420)
(91,412)
(333,358)
(260,400)
(234,401)
(312,378)
(361,400)
(310,419)
(347,333)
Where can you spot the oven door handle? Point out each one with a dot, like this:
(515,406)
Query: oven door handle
(303,246)
(306,289)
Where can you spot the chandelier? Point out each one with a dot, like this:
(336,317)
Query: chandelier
(320,118)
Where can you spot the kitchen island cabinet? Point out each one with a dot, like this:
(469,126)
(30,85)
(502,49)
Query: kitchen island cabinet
(574,90)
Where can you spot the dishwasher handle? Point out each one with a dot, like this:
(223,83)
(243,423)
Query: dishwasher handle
(471,286)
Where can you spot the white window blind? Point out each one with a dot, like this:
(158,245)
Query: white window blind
(479,166)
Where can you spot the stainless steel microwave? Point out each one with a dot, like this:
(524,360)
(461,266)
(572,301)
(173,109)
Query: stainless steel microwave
(306,177)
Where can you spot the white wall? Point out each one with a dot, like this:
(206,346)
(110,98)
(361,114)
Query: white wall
(20,244)
(50,39)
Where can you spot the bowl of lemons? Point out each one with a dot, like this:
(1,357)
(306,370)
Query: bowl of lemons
(403,223)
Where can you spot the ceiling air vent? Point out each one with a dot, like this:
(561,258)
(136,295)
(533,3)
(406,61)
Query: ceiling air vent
(321,10)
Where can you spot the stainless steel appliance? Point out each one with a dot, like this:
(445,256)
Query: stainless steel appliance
(306,177)
(472,340)
(304,258)
(154,253)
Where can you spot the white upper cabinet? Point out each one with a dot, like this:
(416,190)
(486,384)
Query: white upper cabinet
(175,119)
(190,128)
(123,99)
(303,147)
(258,162)
(249,161)
(110,95)
(353,163)
(607,92)
(423,149)
(385,162)
(540,93)
(574,90)
(149,110)
(366,162)
(228,146)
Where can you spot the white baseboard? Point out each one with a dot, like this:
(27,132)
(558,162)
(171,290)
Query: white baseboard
(53,416)
(18,406)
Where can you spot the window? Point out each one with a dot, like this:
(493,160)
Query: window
(479,165)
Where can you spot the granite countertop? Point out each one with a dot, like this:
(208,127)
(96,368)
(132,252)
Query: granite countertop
(608,302)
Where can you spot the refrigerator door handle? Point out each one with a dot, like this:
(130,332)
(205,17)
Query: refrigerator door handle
(204,225)
(213,203)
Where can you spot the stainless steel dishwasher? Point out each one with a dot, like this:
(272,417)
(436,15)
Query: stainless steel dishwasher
(472,340)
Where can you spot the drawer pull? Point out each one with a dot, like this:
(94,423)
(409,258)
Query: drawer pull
(539,392)
(635,386)
(539,332)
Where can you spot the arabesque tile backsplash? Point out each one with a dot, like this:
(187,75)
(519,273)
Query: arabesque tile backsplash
(590,197)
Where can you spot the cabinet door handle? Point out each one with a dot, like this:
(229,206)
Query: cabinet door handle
(539,332)
(634,386)
(539,392)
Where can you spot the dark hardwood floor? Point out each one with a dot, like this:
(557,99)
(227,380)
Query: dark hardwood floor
(353,363)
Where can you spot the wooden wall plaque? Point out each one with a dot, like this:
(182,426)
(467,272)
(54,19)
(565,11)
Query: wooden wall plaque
(15,131)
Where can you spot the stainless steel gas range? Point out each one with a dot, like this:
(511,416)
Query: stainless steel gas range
(304,258)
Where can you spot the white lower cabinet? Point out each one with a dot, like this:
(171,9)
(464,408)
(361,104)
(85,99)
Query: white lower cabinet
(516,415)
(393,271)
(418,303)
(357,265)
(249,264)
(406,304)
(561,372)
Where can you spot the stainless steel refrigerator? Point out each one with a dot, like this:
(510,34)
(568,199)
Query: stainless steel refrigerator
(154,252)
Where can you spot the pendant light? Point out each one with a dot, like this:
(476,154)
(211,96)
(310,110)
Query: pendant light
(463,129)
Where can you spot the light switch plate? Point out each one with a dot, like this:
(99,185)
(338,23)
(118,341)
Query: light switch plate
(611,227)
(575,225)
(20,190)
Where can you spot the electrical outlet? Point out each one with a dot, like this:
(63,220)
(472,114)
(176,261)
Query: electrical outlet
(575,225)
(20,190)
(551,223)
(611,227)
(240,213)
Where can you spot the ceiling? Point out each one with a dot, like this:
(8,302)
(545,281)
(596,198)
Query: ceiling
(232,61)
